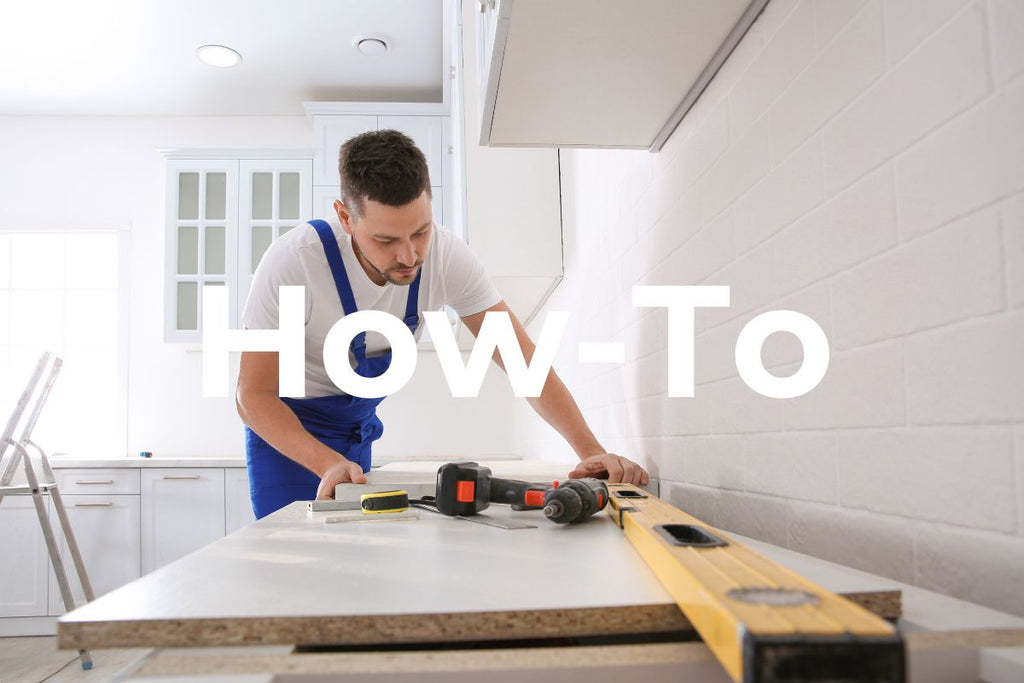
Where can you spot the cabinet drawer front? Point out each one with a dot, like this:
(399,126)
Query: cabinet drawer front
(101,481)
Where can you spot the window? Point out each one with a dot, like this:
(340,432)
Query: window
(62,292)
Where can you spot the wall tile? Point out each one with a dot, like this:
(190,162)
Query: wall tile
(746,53)
(862,388)
(792,465)
(966,164)
(651,378)
(738,409)
(866,541)
(954,274)
(947,75)
(752,284)
(684,416)
(775,15)
(788,192)
(979,567)
(638,261)
(852,227)
(707,251)
(839,73)
(1018,450)
(648,333)
(814,302)
(1013,231)
(678,225)
(961,476)
(830,17)
(698,501)
(665,458)
(745,162)
(748,514)
(697,154)
(909,22)
(624,234)
(715,461)
(715,352)
(789,51)
(968,374)
(1007,22)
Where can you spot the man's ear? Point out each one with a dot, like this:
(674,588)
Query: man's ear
(344,215)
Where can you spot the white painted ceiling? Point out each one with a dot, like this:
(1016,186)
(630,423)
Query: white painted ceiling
(137,57)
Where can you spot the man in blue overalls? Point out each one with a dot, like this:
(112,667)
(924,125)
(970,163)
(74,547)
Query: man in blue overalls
(383,253)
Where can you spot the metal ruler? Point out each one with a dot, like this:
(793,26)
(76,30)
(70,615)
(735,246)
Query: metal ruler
(762,621)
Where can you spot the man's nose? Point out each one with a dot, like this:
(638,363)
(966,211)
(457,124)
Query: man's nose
(407,254)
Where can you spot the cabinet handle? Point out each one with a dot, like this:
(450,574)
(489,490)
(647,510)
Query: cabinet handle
(87,482)
(93,505)
(181,476)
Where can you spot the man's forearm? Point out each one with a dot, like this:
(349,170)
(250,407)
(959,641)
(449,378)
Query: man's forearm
(558,408)
(276,424)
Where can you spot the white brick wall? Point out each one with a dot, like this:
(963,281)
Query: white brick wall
(861,162)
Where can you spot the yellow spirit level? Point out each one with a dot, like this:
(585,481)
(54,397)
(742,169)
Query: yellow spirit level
(762,621)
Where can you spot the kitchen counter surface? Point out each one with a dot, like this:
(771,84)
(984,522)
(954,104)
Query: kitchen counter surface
(295,578)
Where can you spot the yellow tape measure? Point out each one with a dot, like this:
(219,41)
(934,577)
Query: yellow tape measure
(383,502)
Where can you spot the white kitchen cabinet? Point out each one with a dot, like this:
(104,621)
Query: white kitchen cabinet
(182,510)
(237,503)
(24,564)
(223,209)
(329,132)
(201,227)
(275,196)
(513,200)
(429,130)
(598,73)
(106,529)
(324,197)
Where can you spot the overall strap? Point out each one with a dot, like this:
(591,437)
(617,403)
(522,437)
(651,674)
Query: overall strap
(412,318)
(341,283)
(333,253)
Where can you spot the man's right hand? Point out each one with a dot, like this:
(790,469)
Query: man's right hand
(343,472)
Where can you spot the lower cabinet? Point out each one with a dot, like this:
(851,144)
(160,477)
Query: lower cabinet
(183,510)
(106,529)
(237,503)
(127,522)
(24,564)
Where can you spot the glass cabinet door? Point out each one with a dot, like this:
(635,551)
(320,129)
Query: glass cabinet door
(276,195)
(202,218)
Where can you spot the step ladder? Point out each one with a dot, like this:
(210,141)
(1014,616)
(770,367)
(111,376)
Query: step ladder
(14,452)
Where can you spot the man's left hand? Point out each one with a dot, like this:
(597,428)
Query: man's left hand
(617,468)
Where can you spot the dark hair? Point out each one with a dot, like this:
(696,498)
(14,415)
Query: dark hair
(383,165)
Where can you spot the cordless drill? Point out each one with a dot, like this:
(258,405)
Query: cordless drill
(466,488)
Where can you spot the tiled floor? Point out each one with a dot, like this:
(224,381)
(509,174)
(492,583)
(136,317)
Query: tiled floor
(37,659)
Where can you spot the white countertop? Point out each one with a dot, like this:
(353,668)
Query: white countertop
(72,462)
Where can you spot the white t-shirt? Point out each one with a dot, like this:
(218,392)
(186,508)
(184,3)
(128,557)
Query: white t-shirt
(451,274)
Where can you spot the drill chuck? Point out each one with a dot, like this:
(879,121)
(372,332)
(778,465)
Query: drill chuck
(575,500)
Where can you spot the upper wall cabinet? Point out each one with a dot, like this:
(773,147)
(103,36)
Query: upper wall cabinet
(223,211)
(428,125)
(599,73)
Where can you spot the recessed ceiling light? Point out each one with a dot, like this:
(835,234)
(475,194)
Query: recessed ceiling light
(372,44)
(218,55)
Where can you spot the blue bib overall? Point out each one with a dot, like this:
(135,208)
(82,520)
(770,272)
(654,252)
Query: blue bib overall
(347,424)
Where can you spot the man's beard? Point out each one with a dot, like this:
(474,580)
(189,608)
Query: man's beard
(386,274)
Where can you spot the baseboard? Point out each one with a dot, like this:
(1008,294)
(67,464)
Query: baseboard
(28,626)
